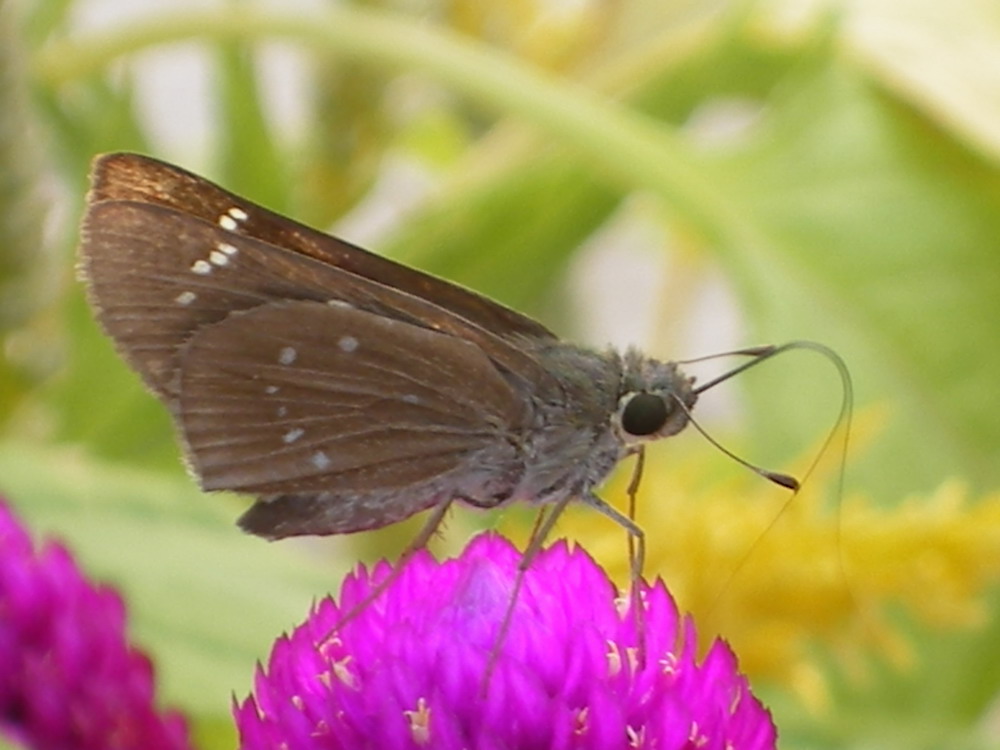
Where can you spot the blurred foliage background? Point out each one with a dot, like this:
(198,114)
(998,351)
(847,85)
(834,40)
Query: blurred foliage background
(685,175)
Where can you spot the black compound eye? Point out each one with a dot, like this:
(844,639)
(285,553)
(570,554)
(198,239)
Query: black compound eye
(644,414)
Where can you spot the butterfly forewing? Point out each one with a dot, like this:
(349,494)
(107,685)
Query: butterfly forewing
(130,177)
(299,397)
(156,276)
(154,283)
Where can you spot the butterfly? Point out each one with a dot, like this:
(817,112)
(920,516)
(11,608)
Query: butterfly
(345,391)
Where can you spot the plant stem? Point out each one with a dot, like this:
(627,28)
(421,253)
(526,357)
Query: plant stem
(636,150)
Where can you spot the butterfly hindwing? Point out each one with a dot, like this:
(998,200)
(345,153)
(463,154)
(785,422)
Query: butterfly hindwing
(346,401)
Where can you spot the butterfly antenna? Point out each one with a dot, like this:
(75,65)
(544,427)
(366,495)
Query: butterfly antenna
(844,419)
(783,480)
(759,354)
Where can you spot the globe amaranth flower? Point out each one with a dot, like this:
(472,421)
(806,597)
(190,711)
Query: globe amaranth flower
(68,679)
(408,670)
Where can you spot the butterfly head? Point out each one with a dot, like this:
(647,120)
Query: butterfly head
(655,402)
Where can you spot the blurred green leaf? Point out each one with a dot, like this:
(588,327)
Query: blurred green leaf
(939,701)
(881,242)
(249,155)
(509,237)
(22,211)
(93,118)
(24,262)
(348,136)
(44,19)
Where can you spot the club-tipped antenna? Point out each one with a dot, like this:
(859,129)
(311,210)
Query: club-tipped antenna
(762,354)
(783,480)
(759,354)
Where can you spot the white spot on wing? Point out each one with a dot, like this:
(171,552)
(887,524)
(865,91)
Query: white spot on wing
(226,248)
(411,398)
(287,355)
(340,303)
(219,259)
(230,220)
(293,434)
(271,390)
(201,267)
(185,298)
(320,460)
(347,344)
(282,411)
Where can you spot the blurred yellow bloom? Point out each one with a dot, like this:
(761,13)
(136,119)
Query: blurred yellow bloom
(775,575)
(553,35)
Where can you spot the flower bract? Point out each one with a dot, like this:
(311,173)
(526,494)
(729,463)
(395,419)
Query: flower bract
(68,678)
(409,670)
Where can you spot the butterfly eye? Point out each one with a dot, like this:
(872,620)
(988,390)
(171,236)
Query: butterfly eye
(644,414)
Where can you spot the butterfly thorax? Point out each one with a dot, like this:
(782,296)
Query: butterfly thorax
(583,427)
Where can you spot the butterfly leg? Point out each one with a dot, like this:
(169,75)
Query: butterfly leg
(637,554)
(632,491)
(543,525)
(419,542)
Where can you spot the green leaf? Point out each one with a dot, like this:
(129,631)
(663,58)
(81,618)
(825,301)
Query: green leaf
(250,160)
(880,240)
(349,132)
(509,236)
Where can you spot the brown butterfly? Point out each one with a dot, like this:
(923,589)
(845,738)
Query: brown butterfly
(345,391)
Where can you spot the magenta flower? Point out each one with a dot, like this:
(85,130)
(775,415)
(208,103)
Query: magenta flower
(407,672)
(68,678)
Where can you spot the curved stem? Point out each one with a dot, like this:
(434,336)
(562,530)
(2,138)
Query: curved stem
(636,150)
